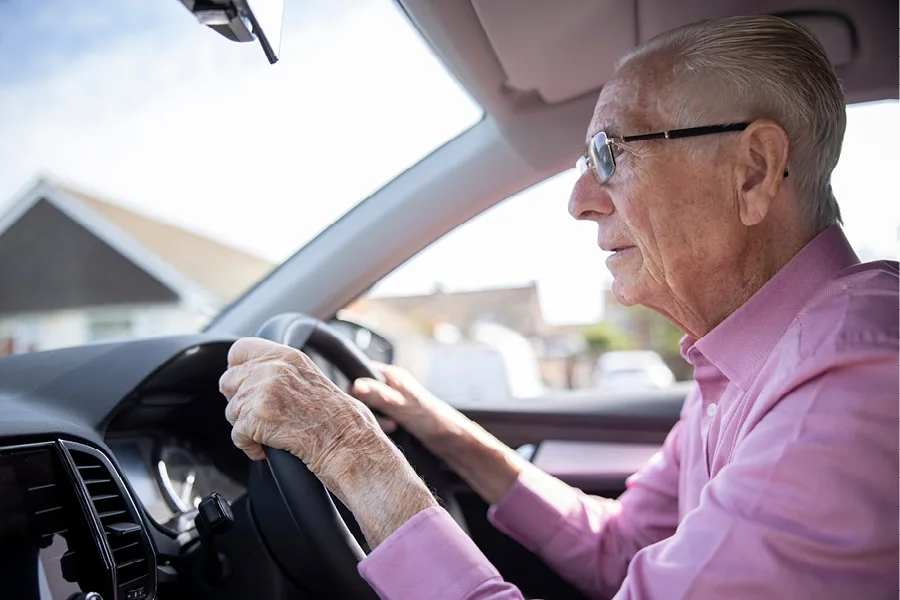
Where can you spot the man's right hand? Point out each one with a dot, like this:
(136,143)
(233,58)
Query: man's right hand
(406,402)
(483,461)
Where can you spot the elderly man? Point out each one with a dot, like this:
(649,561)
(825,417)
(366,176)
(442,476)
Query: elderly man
(707,172)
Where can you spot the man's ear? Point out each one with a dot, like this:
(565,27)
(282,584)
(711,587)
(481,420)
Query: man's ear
(761,169)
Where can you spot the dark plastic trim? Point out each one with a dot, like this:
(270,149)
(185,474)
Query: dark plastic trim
(135,514)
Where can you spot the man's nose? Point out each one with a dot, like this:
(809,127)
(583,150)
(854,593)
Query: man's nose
(589,200)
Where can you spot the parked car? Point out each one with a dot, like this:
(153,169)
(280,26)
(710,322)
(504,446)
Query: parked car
(496,364)
(630,370)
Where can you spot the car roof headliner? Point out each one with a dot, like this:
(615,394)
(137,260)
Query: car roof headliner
(543,63)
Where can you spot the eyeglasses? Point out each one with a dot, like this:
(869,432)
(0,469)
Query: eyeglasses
(601,158)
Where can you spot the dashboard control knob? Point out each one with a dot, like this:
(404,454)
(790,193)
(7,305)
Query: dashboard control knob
(214,517)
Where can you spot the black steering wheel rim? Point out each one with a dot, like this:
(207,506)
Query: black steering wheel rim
(307,500)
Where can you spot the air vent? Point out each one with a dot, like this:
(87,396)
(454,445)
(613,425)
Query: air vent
(119,521)
(41,510)
(55,511)
(49,512)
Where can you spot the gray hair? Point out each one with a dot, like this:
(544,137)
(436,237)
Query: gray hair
(766,67)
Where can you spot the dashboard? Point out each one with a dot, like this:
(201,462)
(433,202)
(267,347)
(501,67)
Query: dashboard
(131,438)
(105,453)
(138,424)
(171,476)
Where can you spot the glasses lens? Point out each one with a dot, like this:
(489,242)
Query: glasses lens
(602,157)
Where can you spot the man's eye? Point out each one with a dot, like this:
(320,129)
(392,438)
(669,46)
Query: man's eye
(617,150)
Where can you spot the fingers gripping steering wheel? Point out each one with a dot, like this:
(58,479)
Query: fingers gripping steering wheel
(306,498)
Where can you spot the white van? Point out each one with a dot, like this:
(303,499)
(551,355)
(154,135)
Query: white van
(631,370)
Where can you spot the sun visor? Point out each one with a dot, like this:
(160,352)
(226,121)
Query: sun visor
(834,29)
(564,49)
(559,49)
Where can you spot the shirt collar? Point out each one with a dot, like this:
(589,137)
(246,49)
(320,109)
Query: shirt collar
(740,344)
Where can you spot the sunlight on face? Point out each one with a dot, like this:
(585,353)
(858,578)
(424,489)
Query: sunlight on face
(663,213)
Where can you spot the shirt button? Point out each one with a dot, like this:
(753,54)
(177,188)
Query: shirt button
(711,410)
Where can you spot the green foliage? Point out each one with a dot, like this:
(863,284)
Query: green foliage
(655,332)
(647,330)
(603,337)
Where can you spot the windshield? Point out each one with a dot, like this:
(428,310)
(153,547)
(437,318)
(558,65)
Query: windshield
(177,168)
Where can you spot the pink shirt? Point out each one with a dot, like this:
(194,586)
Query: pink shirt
(780,480)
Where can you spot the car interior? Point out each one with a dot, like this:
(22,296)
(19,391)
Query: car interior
(116,460)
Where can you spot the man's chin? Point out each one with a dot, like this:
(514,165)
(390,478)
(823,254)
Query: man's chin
(625,291)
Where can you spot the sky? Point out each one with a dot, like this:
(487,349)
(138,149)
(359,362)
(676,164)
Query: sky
(137,103)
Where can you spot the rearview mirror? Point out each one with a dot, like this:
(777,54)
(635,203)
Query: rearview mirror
(243,21)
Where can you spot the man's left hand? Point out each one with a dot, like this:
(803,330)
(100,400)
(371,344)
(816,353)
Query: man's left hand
(278,397)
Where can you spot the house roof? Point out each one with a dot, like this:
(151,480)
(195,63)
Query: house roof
(49,262)
(515,307)
(221,269)
(193,266)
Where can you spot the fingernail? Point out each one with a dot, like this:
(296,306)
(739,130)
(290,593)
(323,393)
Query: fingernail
(363,387)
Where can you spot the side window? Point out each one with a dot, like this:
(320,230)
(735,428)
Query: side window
(516,302)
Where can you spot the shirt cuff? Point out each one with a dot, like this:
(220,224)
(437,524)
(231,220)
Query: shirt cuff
(427,558)
(534,508)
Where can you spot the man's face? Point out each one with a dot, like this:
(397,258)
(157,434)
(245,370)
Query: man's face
(672,216)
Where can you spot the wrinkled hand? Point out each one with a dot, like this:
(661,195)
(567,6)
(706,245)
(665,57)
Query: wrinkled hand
(483,461)
(278,397)
(406,402)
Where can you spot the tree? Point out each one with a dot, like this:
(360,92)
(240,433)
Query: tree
(603,337)
(655,332)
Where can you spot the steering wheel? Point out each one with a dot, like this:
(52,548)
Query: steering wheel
(307,500)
